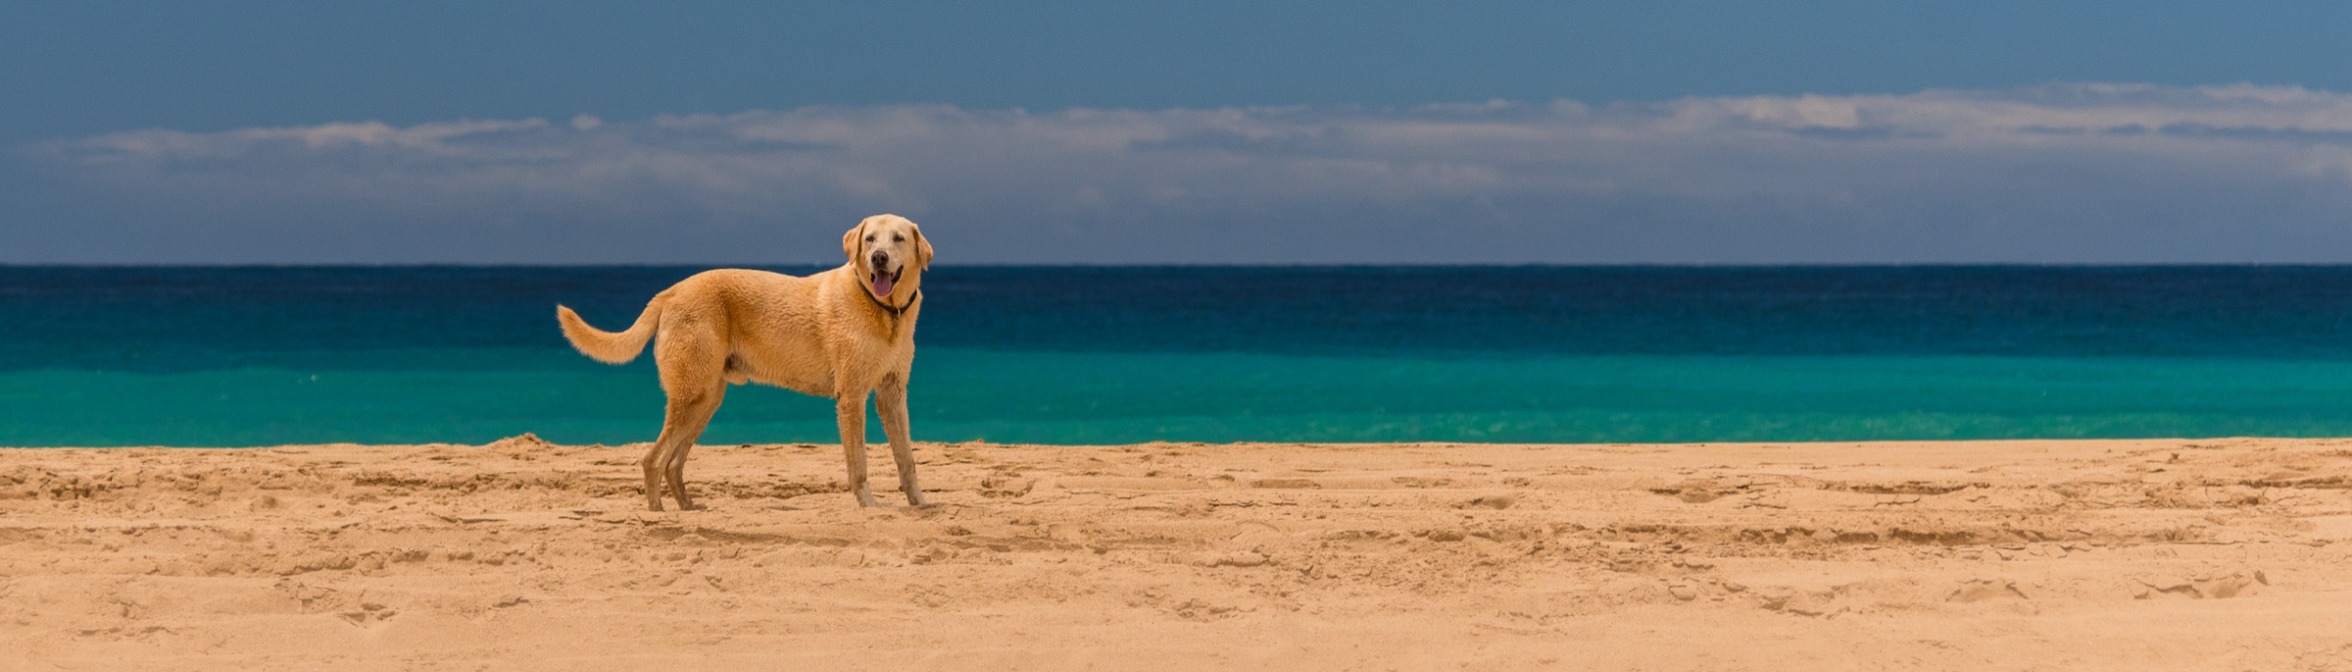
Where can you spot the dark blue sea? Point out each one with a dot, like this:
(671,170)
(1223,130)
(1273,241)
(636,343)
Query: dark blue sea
(1082,355)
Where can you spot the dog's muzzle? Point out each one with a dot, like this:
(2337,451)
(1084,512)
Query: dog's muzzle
(880,281)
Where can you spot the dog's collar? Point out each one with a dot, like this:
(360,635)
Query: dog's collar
(895,311)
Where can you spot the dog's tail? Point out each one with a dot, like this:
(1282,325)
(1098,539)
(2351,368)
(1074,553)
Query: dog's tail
(608,347)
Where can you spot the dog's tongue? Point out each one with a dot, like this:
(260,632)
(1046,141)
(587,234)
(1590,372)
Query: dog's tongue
(883,282)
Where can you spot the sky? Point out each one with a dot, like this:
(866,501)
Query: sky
(1104,133)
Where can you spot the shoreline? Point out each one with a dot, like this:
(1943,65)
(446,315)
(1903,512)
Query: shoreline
(2009,554)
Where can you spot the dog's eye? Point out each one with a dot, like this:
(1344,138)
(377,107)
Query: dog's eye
(895,238)
(869,237)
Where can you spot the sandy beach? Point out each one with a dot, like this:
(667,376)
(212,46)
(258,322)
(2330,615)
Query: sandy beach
(2139,554)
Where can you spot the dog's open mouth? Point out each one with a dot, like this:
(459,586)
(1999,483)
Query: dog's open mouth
(883,281)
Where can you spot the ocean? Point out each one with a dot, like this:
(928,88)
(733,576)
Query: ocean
(226,356)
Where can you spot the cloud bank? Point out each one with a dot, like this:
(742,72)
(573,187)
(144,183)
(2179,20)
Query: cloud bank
(2062,173)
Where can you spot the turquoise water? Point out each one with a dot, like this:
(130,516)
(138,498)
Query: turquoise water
(221,357)
(1120,398)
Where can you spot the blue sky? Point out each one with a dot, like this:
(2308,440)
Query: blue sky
(1596,132)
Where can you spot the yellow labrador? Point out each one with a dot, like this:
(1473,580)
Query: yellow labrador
(843,333)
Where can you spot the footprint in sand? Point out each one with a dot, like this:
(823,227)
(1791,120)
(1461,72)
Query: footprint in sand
(2217,587)
(1983,590)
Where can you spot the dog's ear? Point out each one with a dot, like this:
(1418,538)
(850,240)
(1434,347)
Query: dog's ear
(849,241)
(922,250)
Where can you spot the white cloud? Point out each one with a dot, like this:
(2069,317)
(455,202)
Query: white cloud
(2095,172)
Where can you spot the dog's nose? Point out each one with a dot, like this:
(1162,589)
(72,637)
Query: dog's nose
(881,258)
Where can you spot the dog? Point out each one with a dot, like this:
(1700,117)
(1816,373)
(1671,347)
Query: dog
(843,333)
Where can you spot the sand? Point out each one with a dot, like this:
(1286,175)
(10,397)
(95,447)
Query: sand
(2143,554)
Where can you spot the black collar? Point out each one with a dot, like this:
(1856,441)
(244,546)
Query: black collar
(896,311)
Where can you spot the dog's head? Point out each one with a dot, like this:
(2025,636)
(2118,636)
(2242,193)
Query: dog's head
(889,254)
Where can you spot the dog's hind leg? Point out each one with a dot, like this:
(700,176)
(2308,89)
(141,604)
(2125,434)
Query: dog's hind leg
(692,363)
(890,402)
(689,412)
(653,469)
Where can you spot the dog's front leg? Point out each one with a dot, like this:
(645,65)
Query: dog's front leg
(851,412)
(890,401)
